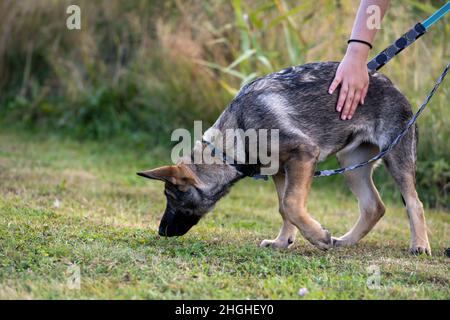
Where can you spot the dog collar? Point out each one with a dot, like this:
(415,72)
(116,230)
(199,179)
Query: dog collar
(245,170)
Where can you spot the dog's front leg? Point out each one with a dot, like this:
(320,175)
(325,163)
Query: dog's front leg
(286,236)
(299,175)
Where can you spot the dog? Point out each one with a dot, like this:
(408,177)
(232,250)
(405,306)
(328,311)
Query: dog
(295,101)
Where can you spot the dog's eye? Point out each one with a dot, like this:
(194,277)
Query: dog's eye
(186,211)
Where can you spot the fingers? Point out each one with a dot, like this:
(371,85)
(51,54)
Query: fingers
(342,96)
(364,93)
(355,103)
(337,80)
(353,90)
(348,103)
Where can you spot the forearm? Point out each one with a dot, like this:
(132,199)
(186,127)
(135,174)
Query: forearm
(362,30)
(352,74)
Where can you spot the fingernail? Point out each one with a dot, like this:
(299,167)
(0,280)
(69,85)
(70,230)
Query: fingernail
(349,117)
(330,91)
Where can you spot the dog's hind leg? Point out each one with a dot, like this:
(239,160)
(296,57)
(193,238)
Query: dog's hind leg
(286,236)
(299,174)
(360,181)
(400,163)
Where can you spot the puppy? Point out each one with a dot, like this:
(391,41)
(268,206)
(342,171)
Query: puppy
(296,103)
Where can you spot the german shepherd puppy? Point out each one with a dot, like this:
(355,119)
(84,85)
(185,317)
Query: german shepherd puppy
(295,101)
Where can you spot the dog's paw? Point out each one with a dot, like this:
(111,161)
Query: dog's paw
(342,242)
(418,250)
(276,244)
(325,242)
(317,235)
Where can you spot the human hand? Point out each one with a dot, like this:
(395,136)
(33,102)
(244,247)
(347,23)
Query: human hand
(353,76)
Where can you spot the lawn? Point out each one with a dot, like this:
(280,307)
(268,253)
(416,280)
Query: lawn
(66,205)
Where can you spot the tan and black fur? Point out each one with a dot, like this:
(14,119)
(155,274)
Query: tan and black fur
(295,101)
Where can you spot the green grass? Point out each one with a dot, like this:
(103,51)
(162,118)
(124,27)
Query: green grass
(107,219)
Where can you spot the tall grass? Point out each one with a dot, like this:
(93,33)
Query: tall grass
(140,69)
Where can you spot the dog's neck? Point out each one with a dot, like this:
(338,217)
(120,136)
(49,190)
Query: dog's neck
(216,180)
(218,176)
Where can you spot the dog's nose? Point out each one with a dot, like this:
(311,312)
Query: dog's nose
(162,230)
(165,230)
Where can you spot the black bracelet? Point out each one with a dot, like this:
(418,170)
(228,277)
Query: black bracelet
(360,41)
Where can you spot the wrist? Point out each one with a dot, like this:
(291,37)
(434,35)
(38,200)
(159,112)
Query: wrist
(358,51)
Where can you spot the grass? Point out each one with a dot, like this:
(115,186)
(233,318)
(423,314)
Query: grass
(65,202)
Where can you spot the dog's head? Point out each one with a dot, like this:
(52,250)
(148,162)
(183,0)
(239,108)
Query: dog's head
(186,200)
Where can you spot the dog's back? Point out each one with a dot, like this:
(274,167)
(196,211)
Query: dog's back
(295,101)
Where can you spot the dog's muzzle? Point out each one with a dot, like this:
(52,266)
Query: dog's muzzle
(175,223)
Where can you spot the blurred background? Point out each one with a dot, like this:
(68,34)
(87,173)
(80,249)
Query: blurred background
(139,69)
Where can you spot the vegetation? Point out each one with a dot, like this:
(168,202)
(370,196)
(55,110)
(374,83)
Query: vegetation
(65,203)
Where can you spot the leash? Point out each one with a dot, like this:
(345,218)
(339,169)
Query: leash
(407,39)
(375,64)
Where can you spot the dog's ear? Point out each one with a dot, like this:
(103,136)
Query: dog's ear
(179,175)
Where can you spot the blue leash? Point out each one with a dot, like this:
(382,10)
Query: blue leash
(436,16)
(407,39)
